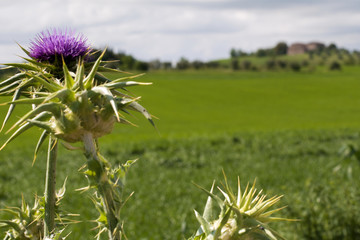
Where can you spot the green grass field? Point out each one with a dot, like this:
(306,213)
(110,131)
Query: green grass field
(193,103)
(283,128)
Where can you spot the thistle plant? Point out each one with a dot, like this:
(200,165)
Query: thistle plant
(72,101)
(243,216)
(27,222)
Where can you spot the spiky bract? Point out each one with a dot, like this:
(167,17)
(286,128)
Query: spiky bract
(242,217)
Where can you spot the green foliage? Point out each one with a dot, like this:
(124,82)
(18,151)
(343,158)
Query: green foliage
(281,48)
(335,66)
(164,196)
(328,210)
(295,66)
(27,223)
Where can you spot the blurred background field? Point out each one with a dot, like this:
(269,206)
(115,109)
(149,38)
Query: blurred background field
(283,128)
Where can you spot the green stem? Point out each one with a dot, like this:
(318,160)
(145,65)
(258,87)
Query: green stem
(99,177)
(50,182)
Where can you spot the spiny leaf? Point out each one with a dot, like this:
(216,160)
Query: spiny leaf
(11,224)
(39,64)
(25,101)
(51,86)
(40,124)
(69,81)
(11,87)
(120,94)
(116,85)
(219,201)
(268,213)
(25,51)
(11,108)
(12,79)
(209,213)
(79,76)
(123,102)
(42,138)
(101,79)
(54,108)
(238,200)
(127,78)
(90,77)
(222,223)
(25,66)
(62,190)
(108,95)
(106,69)
(63,95)
(137,107)
(203,222)
(23,128)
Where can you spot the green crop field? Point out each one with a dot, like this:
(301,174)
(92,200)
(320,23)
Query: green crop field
(285,129)
(193,103)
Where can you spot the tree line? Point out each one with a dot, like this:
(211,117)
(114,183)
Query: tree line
(239,60)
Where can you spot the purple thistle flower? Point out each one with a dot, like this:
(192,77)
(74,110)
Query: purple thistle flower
(50,45)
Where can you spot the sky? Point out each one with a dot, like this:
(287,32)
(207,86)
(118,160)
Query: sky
(170,29)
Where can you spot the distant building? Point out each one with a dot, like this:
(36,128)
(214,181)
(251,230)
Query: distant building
(300,48)
(296,48)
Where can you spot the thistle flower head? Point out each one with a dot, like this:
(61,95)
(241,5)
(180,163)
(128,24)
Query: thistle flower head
(81,102)
(51,44)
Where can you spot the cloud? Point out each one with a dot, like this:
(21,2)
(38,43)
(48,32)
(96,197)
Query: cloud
(171,29)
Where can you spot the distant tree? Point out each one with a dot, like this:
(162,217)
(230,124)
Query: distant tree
(271,64)
(234,64)
(264,52)
(295,66)
(335,65)
(212,64)
(197,64)
(246,65)
(155,64)
(167,65)
(183,64)
(109,55)
(356,55)
(127,62)
(311,55)
(237,53)
(282,64)
(281,48)
(261,53)
(350,60)
(305,63)
(332,47)
(233,53)
(141,66)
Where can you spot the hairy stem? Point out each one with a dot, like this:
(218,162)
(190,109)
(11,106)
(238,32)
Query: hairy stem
(50,183)
(99,178)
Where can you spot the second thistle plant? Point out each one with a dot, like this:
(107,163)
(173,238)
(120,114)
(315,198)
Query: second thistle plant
(244,215)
